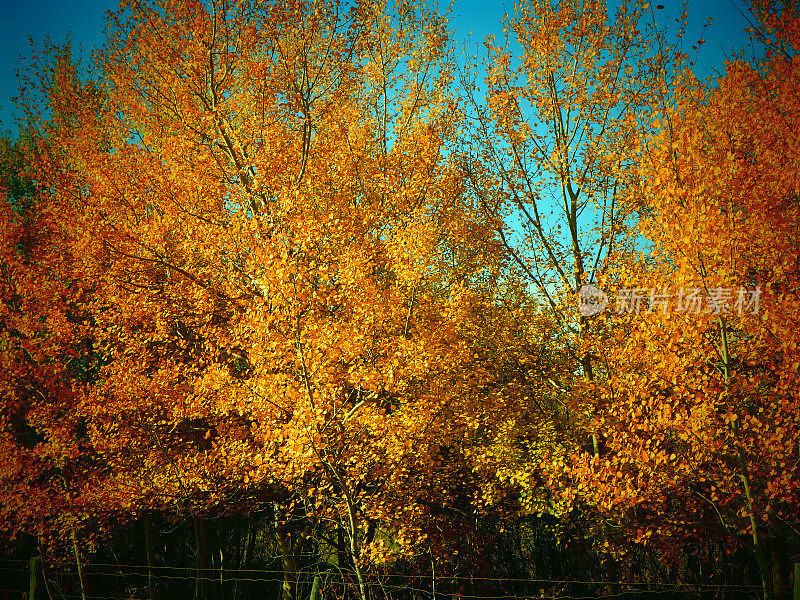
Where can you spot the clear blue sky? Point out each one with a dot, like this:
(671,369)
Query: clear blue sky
(84,20)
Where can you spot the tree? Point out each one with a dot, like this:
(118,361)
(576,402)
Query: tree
(549,161)
(701,404)
(260,222)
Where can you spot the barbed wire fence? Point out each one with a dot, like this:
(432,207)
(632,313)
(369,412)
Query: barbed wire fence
(26,580)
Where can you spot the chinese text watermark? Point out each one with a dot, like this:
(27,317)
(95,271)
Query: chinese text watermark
(718,301)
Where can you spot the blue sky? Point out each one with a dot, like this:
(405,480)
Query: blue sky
(472,21)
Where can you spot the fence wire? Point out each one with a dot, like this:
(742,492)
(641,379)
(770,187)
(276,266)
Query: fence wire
(183,583)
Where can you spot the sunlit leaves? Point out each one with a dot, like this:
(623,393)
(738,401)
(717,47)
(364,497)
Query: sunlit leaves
(700,406)
(259,222)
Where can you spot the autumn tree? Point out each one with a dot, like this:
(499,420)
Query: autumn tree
(701,404)
(270,248)
(49,355)
(549,161)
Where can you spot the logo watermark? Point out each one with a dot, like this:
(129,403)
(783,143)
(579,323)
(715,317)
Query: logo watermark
(696,301)
(591,300)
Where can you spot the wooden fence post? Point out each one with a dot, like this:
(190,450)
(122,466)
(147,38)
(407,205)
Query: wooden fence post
(35,565)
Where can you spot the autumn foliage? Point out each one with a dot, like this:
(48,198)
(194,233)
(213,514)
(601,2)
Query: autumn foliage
(293,262)
(700,409)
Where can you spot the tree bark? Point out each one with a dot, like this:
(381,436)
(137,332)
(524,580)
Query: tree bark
(202,587)
(315,587)
(290,545)
(245,554)
(252,532)
(149,548)
(45,580)
(81,574)
(781,568)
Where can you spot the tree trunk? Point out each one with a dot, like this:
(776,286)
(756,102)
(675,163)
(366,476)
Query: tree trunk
(758,543)
(315,587)
(244,555)
(149,548)
(781,568)
(341,552)
(218,558)
(45,580)
(252,532)
(204,573)
(81,574)
(288,557)
(354,547)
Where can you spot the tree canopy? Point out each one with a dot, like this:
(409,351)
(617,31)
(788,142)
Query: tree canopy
(297,268)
